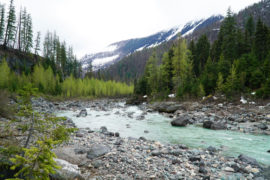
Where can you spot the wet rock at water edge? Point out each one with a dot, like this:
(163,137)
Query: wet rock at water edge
(262,126)
(219,126)
(146,131)
(117,134)
(97,150)
(248,160)
(180,121)
(211,149)
(214,125)
(103,129)
(143,139)
(207,124)
(83,113)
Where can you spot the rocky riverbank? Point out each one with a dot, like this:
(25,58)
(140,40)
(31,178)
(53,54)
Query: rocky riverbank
(105,155)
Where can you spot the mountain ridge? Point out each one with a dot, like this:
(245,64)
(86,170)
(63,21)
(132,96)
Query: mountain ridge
(121,49)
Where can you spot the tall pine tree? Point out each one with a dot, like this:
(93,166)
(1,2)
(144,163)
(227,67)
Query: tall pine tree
(10,28)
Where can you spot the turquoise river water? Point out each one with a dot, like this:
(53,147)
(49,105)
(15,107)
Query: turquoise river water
(160,129)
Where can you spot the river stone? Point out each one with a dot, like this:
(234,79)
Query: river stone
(218,126)
(262,126)
(80,150)
(180,121)
(83,113)
(211,149)
(67,172)
(156,153)
(228,169)
(207,124)
(97,150)
(202,170)
(194,158)
(103,129)
(248,160)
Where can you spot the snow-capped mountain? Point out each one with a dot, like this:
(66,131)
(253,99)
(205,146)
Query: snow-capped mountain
(116,51)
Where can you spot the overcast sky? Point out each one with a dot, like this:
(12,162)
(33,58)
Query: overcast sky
(90,25)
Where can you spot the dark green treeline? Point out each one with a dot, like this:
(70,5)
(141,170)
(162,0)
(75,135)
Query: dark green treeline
(237,62)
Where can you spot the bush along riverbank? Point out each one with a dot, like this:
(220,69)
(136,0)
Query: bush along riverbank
(106,155)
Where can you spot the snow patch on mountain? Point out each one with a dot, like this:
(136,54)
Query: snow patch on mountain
(102,61)
(118,50)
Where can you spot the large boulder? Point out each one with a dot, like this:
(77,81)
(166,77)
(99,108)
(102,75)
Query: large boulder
(207,124)
(68,171)
(248,160)
(97,150)
(135,100)
(214,125)
(181,121)
(218,126)
(262,126)
(83,113)
(166,107)
(74,105)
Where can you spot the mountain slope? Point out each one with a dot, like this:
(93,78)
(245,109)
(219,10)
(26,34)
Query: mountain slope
(132,66)
(116,51)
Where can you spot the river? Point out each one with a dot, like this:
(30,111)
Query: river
(155,126)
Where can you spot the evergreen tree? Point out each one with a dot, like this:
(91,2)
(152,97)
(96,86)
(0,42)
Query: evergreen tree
(10,28)
(29,34)
(229,36)
(2,22)
(37,43)
(249,34)
(261,41)
(201,54)
(209,77)
(167,72)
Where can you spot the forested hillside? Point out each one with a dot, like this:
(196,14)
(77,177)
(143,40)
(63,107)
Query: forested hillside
(119,70)
(237,62)
(53,69)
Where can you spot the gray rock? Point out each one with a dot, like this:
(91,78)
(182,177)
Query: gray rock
(79,135)
(80,150)
(262,126)
(218,126)
(103,129)
(118,142)
(97,150)
(142,138)
(67,172)
(194,158)
(83,113)
(96,164)
(202,170)
(211,149)
(156,153)
(116,134)
(74,104)
(146,131)
(180,121)
(248,160)
(207,124)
